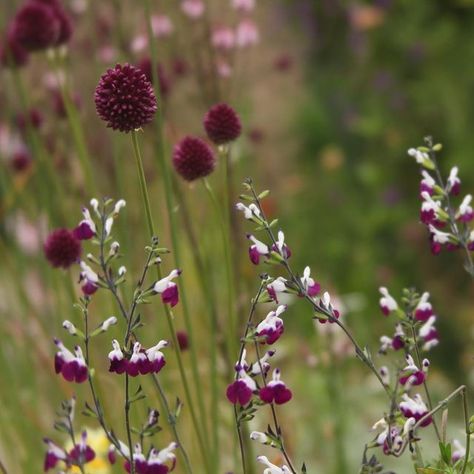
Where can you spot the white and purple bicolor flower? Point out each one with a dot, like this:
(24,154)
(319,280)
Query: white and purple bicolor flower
(387,302)
(257,250)
(272,468)
(168,289)
(396,342)
(439,238)
(459,451)
(421,157)
(271,328)
(389,439)
(465,212)
(411,375)
(158,462)
(276,287)
(71,366)
(81,453)
(86,229)
(54,454)
(251,212)
(241,390)
(280,247)
(89,278)
(325,304)
(414,408)
(423,310)
(454,183)
(141,361)
(311,287)
(429,334)
(275,391)
(431,210)
(262,365)
(427,184)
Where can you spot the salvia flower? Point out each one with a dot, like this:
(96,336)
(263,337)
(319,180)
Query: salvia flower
(439,238)
(465,213)
(257,250)
(241,390)
(124,98)
(251,212)
(325,304)
(427,184)
(312,287)
(387,302)
(54,454)
(272,468)
(454,183)
(168,289)
(271,328)
(275,391)
(86,229)
(82,453)
(429,334)
(222,124)
(62,248)
(280,247)
(193,159)
(432,211)
(141,361)
(262,365)
(459,451)
(276,287)
(71,366)
(423,310)
(414,408)
(390,439)
(158,462)
(89,279)
(421,157)
(411,375)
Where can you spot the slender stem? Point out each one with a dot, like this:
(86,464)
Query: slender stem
(228,265)
(468,431)
(425,385)
(168,191)
(127,423)
(172,422)
(169,314)
(3,469)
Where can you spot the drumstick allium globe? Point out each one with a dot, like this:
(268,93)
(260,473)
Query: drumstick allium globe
(124,98)
(193,159)
(222,124)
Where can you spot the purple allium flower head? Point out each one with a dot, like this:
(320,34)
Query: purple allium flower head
(193,158)
(12,53)
(222,124)
(62,249)
(124,98)
(145,65)
(36,26)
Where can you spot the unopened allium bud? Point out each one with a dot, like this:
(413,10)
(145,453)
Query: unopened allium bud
(62,249)
(222,124)
(69,327)
(125,99)
(193,159)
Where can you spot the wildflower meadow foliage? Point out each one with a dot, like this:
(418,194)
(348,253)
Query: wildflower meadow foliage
(159,310)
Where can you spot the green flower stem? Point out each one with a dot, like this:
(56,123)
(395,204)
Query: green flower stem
(232,346)
(468,430)
(169,314)
(160,154)
(76,129)
(47,177)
